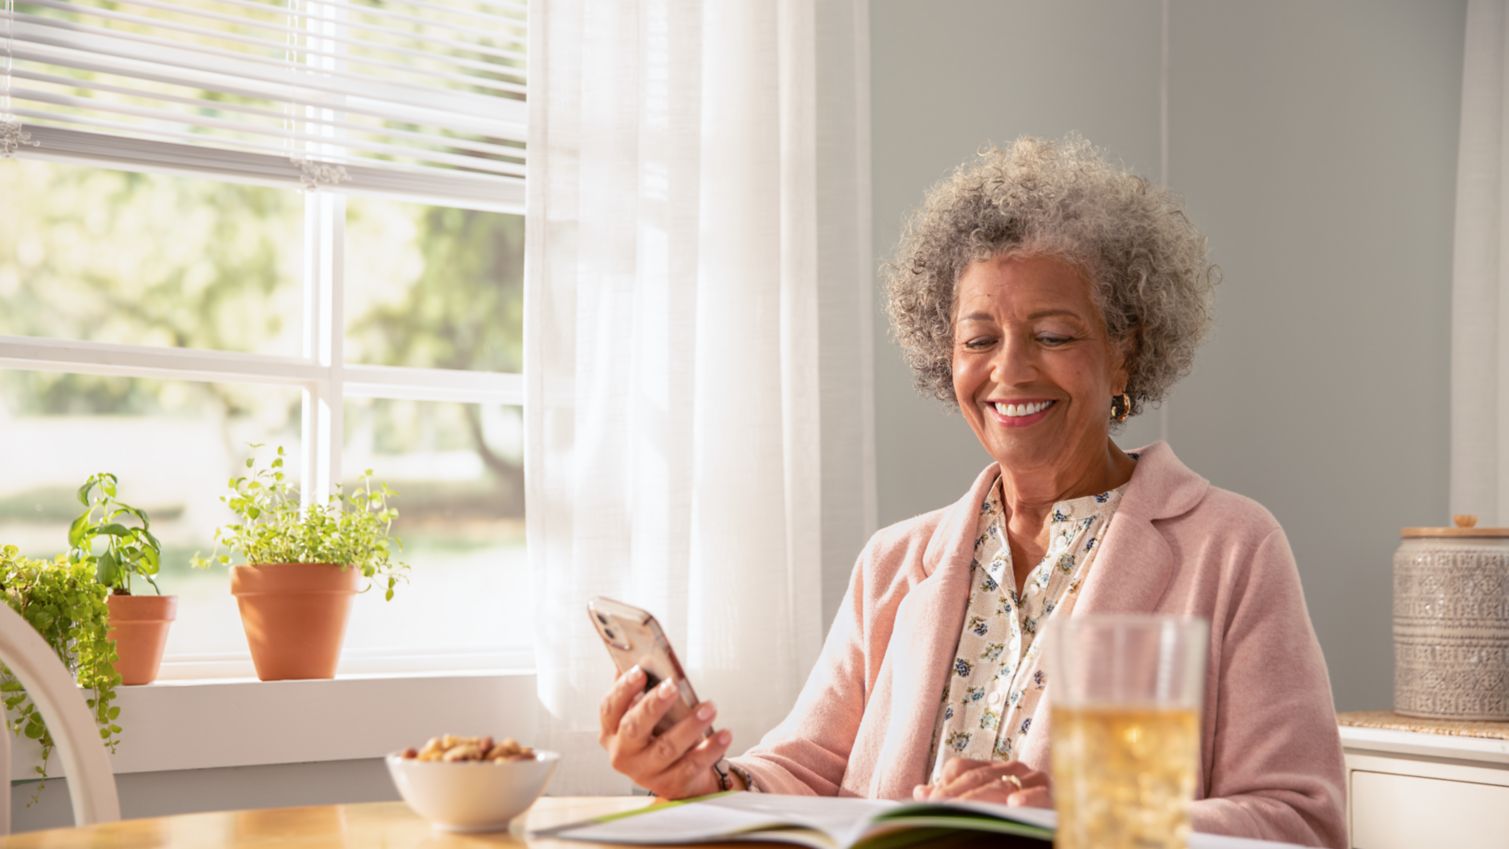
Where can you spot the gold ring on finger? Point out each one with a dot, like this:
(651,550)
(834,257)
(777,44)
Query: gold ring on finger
(1013,781)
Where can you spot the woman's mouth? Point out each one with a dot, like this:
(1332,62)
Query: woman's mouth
(1020,414)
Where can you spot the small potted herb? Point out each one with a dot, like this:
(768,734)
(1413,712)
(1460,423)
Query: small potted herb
(115,540)
(66,605)
(302,566)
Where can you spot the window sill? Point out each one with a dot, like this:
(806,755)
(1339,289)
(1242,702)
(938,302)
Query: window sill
(204,724)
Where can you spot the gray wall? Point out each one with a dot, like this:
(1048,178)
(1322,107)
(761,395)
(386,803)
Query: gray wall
(1315,144)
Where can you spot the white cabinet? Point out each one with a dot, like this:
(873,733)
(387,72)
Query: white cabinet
(1415,789)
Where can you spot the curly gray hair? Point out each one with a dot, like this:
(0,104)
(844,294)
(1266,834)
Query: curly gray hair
(1147,264)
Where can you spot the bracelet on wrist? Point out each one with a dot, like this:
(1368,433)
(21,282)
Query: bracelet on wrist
(720,769)
(745,776)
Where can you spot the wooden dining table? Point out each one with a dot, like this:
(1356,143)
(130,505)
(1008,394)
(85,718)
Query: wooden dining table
(372,825)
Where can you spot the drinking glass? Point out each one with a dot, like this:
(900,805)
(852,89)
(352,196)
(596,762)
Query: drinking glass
(1125,728)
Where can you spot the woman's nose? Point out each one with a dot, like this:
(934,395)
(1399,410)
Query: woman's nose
(1015,362)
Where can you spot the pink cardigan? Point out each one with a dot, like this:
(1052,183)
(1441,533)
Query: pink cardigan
(1271,764)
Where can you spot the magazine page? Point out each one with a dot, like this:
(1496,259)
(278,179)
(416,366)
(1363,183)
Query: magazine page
(1032,826)
(826,821)
(842,818)
(1040,818)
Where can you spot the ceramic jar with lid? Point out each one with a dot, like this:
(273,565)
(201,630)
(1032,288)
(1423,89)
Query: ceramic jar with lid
(1451,622)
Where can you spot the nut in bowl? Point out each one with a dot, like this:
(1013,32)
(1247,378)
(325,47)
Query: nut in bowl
(471,784)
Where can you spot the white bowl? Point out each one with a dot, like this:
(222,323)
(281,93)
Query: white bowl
(471,795)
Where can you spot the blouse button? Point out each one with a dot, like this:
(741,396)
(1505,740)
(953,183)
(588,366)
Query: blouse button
(995,699)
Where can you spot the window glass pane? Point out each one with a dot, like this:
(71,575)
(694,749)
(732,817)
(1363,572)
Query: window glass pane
(458,471)
(433,286)
(95,254)
(173,444)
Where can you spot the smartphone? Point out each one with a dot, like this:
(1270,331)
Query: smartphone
(633,636)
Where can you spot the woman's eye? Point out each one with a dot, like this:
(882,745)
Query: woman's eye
(979,343)
(1051,340)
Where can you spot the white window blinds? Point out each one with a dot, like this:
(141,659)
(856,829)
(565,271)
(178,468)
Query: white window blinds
(414,97)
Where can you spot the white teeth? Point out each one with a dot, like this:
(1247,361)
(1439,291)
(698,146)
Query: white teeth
(1016,410)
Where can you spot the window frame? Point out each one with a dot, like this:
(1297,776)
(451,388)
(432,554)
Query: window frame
(322,374)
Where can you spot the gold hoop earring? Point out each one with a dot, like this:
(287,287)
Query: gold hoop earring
(1121,407)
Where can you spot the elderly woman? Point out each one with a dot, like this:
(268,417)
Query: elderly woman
(1049,296)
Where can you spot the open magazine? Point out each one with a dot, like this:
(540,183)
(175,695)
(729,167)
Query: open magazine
(824,822)
(815,821)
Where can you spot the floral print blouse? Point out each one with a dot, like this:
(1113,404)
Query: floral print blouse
(995,680)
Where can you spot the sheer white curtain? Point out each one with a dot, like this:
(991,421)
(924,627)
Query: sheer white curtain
(1480,274)
(698,332)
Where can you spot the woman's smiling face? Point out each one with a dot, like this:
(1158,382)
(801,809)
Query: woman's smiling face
(1034,369)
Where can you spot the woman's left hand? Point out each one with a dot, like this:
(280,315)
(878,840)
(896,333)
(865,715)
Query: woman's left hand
(1004,782)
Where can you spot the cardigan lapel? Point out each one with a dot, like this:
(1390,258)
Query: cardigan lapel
(928,621)
(1136,565)
(1131,572)
(926,634)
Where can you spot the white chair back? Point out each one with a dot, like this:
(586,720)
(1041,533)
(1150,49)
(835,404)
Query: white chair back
(86,765)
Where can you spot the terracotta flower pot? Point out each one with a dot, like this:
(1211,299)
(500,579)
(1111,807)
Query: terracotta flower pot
(295,616)
(139,627)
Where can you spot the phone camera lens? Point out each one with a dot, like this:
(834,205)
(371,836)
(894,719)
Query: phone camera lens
(603,619)
(608,632)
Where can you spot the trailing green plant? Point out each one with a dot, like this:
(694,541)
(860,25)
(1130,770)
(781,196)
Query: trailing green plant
(125,532)
(353,531)
(64,602)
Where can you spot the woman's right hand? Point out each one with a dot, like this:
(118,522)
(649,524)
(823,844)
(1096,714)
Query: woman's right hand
(673,765)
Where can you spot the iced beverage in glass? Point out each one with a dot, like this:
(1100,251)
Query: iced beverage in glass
(1125,728)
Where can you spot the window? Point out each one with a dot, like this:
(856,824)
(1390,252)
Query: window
(275,222)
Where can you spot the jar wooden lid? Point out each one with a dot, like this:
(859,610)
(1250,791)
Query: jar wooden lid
(1465,526)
